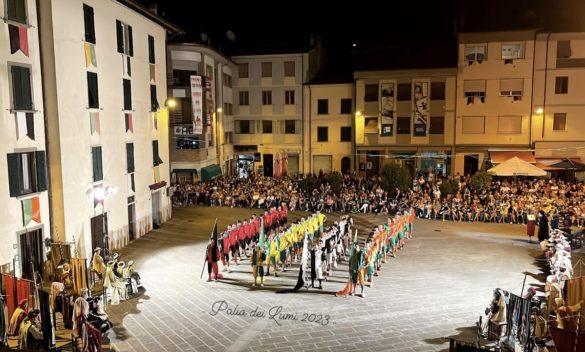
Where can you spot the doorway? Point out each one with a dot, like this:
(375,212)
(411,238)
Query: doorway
(345,165)
(155,196)
(31,253)
(471,164)
(131,222)
(268,166)
(99,229)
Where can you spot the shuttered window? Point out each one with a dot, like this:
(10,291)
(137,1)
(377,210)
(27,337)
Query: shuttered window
(92,90)
(88,20)
(27,173)
(96,157)
(127,95)
(130,157)
(21,88)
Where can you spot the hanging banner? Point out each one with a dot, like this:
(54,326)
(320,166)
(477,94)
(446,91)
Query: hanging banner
(387,108)
(197,103)
(420,96)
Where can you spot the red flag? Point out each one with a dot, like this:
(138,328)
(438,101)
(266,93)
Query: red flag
(23,39)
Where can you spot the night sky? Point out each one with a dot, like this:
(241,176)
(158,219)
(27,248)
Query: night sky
(369,24)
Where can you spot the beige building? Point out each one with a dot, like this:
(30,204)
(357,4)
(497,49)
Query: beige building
(26,220)
(405,116)
(328,122)
(209,148)
(104,87)
(494,96)
(558,105)
(268,110)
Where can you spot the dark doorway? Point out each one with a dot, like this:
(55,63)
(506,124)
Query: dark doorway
(31,254)
(372,163)
(471,164)
(268,167)
(99,229)
(131,222)
(156,214)
(345,165)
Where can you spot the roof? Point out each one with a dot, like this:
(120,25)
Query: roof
(406,57)
(167,25)
(333,73)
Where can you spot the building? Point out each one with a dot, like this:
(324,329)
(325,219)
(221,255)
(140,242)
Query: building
(26,220)
(207,143)
(328,121)
(268,112)
(105,90)
(494,96)
(558,104)
(405,110)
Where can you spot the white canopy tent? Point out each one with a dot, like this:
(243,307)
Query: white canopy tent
(516,167)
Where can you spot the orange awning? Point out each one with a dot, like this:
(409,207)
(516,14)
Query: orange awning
(500,156)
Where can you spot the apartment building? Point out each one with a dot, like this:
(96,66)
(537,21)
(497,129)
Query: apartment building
(202,126)
(105,91)
(26,220)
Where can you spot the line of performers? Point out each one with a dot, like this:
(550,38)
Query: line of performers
(385,240)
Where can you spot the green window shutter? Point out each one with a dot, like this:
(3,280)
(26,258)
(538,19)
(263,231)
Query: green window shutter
(26,88)
(97,163)
(155,153)
(16,10)
(130,42)
(151,58)
(130,157)
(21,88)
(120,36)
(100,165)
(92,90)
(127,95)
(153,100)
(41,168)
(88,19)
(13,174)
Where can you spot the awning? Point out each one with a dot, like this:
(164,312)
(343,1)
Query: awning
(155,186)
(500,156)
(570,164)
(546,167)
(516,167)
(185,171)
(210,172)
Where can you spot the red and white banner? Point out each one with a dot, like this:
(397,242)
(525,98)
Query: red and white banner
(197,104)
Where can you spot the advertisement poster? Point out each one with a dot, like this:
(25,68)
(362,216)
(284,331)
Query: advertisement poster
(420,96)
(197,101)
(387,108)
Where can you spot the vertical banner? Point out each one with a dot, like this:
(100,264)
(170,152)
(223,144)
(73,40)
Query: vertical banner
(197,101)
(387,108)
(420,100)
(209,100)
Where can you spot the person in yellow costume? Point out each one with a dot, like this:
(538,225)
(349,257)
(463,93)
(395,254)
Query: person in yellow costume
(283,247)
(273,255)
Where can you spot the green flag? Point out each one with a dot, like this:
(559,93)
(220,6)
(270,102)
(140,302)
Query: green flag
(261,240)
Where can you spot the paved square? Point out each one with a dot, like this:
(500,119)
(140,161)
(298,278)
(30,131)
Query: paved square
(436,287)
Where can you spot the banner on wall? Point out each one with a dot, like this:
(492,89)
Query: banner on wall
(420,96)
(197,103)
(387,108)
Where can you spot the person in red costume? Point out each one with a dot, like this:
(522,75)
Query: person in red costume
(225,249)
(233,230)
(212,256)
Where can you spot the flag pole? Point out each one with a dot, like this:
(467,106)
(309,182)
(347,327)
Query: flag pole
(213,230)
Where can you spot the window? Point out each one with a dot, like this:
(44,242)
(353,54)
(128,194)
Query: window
(156,160)
(182,77)
(227,80)
(437,90)
(243,127)
(290,127)
(209,72)
(243,70)
(127,95)
(403,125)
(404,90)
(474,89)
(510,124)
(437,125)
(227,109)
(559,121)
(130,157)
(371,93)
(189,143)
(562,85)
(371,124)
(21,88)
(267,127)
(92,90)
(124,38)
(512,51)
(26,173)
(322,106)
(289,97)
(96,157)
(346,106)
(244,97)
(473,125)
(16,10)
(475,53)
(154,106)
(345,134)
(511,87)
(563,49)
(267,69)
(89,24)
(151,56)
(322,134)
(289,69)
(266,97)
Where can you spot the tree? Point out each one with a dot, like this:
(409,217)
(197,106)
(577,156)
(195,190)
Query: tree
(449,187)
(393,176)
(335,180)
(308,184)
(481,180)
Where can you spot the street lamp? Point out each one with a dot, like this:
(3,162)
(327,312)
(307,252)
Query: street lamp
(171,102)
(539,111)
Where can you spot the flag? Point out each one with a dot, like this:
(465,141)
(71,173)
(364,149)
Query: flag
(155,120)
(261,240)
(214,231)
(89,49)
(31,210)
(129,124)
(94,122)
(18,39)
(156,174)
(152,73)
